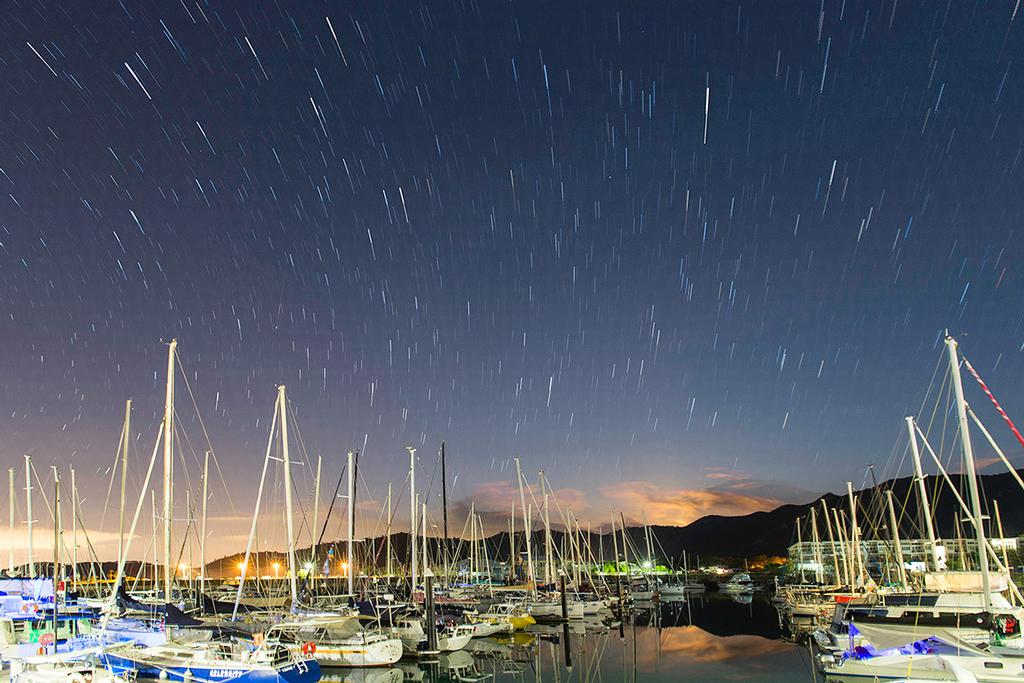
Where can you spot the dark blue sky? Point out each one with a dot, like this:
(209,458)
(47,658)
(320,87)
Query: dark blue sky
(523,227)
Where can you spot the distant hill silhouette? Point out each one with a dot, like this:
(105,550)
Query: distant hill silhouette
(760,533)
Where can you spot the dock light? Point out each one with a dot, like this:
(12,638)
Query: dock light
(308,566)
(648,565)
(277,567)
(241,566)
(344,567)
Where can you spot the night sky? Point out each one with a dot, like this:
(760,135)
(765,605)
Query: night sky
(688,257)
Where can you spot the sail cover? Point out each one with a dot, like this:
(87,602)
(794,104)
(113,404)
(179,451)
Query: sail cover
(892,636)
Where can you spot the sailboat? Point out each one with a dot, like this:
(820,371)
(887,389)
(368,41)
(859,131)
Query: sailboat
(450,637)
(338,641)
(213,661)
(886,643)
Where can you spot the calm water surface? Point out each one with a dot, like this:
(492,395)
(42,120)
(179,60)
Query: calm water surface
(711,638)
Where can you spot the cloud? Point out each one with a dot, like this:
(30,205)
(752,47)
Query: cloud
(679,506)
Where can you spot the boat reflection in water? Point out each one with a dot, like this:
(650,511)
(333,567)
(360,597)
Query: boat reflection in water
(711,639)
(362,675)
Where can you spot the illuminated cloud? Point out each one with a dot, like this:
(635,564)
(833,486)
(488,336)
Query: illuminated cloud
(679,506)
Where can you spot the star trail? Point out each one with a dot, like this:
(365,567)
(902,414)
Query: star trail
(688,257)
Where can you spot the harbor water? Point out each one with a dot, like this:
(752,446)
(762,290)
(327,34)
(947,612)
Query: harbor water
(710,638)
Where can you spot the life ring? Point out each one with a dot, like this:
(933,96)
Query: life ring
(309,648)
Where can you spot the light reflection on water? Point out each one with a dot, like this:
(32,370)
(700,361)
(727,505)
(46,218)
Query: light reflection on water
(711,639)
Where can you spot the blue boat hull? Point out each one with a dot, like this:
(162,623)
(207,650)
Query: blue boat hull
(307,671)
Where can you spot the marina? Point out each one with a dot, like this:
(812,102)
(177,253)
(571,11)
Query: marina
(531,341)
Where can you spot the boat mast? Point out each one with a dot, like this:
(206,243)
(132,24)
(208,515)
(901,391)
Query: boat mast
(119,577)
(56,550)
(854,538)
(426,563)
(351,523)
(412,512)
(168,466)
(847,575)
(282,402)
(548,574)
(125,441)
(819,568)
(972,479)
(625,541)
(472,541)
(615,545)
(895,531)
(444,509)
(255,514)
(922,494)
(28,513)
(316,517)
(74,531)
(800,550)
(10,508)
(512,538)
(387,552)
(202,526)
(831,541)
(527,529)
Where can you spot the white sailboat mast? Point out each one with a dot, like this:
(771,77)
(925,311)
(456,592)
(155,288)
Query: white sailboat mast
(28,514)
(282,405)
(351,524)
(426,564)
(169,466)
(818,560)
(315,535)
(895,531)
(126,436)
(412,512)
(387,553)
(549,576)
(831,542)
(10,508)
(74,530)
(854,538)
(202,525)
(972,478)
(922,494)
(527,529)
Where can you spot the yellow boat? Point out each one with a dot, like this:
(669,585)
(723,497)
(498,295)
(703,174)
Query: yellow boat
(509,613)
